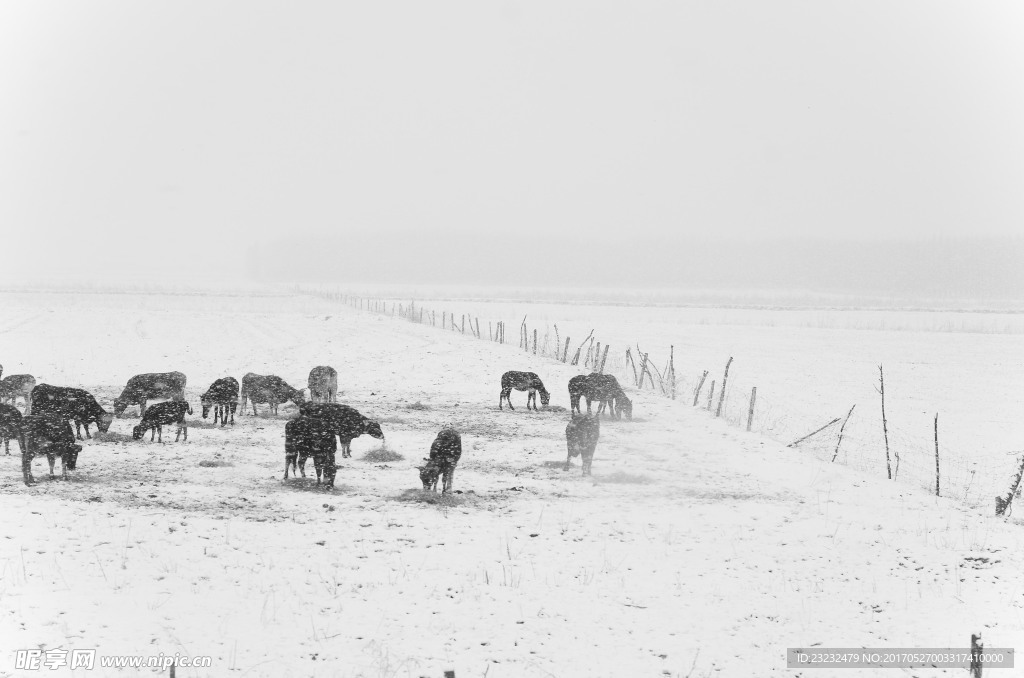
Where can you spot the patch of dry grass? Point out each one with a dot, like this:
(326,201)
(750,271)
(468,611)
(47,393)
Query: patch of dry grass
(381,455)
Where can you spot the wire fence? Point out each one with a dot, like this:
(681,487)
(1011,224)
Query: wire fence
(851,438)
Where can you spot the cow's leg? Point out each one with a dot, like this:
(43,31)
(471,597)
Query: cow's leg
(26,460)
(50,458)
(588,459)
(330,469)
(568,458)
(302,464)
(449,476)
(588,404)
(152,433)
(78,429)
(28,403)
(318,464)
(142,408)
(233,406)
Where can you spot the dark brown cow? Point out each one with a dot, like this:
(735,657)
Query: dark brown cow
(222,396)
(345,421)
(10,426)
(72,404)
(161,414)
(48,434)
(523,381)
(445,452)
(307,437)
(581,436)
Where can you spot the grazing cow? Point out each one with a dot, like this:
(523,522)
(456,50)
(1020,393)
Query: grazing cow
(143,387)
(222,396)
(72,404)
(345,421)
(48,434)
(323,384)
(170,412)
(445,452)
(523,381)
(10,426)
(603,388)
(268,389)
(306,437)
(581,436)
(17,385)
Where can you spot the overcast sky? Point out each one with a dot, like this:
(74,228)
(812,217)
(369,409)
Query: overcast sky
(173,136)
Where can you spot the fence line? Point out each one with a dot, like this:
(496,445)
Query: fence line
(964,477)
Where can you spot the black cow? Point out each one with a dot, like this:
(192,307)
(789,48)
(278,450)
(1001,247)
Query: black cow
(581,436)
(72,404)
(222,396)
(345,421)
(143,387)
(170,412)
(523,381)
(268,389)
(14,386)
(445,452)
(10,426)
(306,437)
(323,384)
(603,388)
(48,434)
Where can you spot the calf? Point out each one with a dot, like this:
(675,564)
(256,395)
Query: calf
(170,412)
(323,384)
(581,436)
(222,396)
(268,389)
(71,404)
(17,385)
(306,437)
(345,421)
(10,426)
(143,387)
(523,381)
(445,452)
(51,435)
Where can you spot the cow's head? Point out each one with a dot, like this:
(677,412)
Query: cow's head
(624,406)
(429,473)
(70,456)
(545,398)
(137,432)
(299,397)
(103,422)
(372,428)
(120,406)
(207,404)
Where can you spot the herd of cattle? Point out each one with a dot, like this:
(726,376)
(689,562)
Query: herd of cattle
(45,427)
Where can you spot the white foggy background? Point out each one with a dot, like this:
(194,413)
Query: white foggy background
(869,147)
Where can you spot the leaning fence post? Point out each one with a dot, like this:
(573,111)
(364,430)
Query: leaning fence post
(604,358)
(711,394)
(750,412)
(565,353)
(937,454)
(841,429)
(534,341)
(721,396)
(696,393)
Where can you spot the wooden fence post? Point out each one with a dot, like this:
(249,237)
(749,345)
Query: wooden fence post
(711,394)
(565,353)
(1003,505)
(750,412)
(696,393)
(976,650)
(604,358)
(721,396)
(885,426)
(463,323)
(812,433)
(672,370)
(841,429)
(937,454)
(478,328)
(534,341)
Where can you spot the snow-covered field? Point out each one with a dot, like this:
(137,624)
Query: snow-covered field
(812,365)
(695,550)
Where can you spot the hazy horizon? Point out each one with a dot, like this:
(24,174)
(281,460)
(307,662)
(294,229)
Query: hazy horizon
(196,141)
